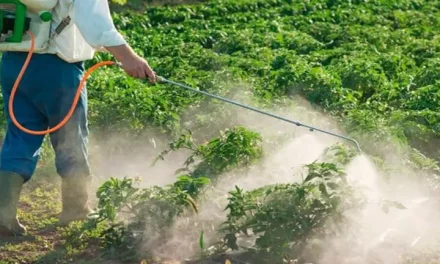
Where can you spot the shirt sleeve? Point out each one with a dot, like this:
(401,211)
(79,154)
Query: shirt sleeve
(94,22)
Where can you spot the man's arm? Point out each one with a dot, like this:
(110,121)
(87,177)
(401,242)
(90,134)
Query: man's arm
(95,23)
(133,64)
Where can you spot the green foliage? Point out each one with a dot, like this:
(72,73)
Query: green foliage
(361,60)
(339,154)
(286,218)
(119,2)
(125,211)
(364,61)
(234,148)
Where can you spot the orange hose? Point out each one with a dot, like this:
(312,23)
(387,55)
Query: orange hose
(75,101)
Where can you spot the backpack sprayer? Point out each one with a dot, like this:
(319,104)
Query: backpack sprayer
(36,24)
(29,15)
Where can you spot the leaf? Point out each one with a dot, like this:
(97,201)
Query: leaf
(192,203)
(119,2)
(201,241)
(386,204)
(180,171)
(399,205)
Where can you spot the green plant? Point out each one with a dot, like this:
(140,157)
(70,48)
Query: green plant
(286,218)
(232,149)
(124,210)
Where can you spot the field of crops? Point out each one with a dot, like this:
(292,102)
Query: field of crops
(230,185)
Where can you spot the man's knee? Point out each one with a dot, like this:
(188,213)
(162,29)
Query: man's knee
(73,168)
(71,151)
(71,158)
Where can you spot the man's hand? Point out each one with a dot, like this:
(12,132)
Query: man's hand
(133,64)
(138,67)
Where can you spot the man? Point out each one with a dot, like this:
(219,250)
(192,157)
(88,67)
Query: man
(43,99)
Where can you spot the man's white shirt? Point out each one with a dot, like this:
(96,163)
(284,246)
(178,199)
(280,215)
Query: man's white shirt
(91,28)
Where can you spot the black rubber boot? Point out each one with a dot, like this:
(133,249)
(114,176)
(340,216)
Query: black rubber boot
(75,199)
(10,189)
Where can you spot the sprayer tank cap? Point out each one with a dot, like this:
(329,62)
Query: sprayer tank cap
(46,16)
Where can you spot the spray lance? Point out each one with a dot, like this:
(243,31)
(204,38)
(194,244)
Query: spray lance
(39,22)
(161,79)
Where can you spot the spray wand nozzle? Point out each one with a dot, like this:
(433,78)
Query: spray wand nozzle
(162,79)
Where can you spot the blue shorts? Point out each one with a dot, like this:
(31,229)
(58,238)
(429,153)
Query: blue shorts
(43,99)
